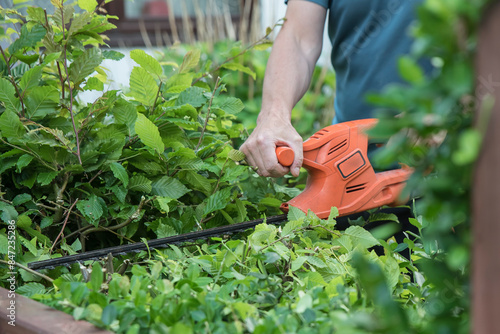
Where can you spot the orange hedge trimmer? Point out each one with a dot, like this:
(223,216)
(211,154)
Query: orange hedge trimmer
(339,175)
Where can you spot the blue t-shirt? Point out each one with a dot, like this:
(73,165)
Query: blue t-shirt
(368,37)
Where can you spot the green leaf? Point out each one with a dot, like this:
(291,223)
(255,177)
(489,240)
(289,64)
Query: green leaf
(112,55)
(24,160)
(191,59)
(270,201)
(382,216)
(85,65)
(315,261)
(4,244)
(305,303)
(230,105)
(31,78)
(234,66)
(10,125)
(21,199)
(46,222)
(68,11)
(290,227)
(179,82)
(91,208)
(148,133)
(29,246)
(94,83)
(31,289)
(27,59)
(391,271)
(143,87)
(298,262)
(410,71)
(162,204)
(119,192)
(36,14)
(79,22)
(97,277)
(109,314)
(165,230)
(119,172)
(88,5)
(361,237)
(217,201)
(169,187)
(295,214)
(46,178)
(140,183)
(41,101)
(263,234)
(23,221)
(7,95)
(469,144)
(8,212)
(193,96)
(236,155)
(28,39)
(146,61)
(263,46)
(124,112)
(198,182)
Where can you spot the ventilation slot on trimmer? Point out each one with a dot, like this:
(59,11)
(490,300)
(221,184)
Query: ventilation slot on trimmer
(337,147)
(354,188)
(319,134)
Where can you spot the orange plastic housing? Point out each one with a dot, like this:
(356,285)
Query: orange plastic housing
(340,174)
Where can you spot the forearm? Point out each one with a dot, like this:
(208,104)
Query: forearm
(290,67)
(288,75)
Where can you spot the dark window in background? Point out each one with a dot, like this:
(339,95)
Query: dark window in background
(164,22)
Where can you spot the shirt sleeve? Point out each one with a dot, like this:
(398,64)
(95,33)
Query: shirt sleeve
(322,3)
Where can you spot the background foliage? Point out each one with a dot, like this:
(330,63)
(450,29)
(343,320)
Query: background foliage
(78,175)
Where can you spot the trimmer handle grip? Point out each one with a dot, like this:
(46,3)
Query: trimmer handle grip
(285,156)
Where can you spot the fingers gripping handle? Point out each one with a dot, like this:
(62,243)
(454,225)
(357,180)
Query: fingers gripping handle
(285,155)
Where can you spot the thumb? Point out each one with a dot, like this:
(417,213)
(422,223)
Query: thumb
(297,163)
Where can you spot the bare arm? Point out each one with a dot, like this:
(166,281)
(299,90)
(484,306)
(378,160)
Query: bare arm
(288,75)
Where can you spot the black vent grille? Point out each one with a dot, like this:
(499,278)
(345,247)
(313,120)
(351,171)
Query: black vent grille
(354,188)
(337,147)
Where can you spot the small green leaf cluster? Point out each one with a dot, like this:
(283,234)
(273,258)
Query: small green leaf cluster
(303,277)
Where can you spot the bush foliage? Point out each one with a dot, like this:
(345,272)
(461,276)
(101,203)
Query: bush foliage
(156,159)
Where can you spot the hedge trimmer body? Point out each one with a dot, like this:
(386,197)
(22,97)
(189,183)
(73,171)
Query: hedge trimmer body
(339,175)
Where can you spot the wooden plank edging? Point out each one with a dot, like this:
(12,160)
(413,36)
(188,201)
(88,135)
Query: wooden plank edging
(33,317)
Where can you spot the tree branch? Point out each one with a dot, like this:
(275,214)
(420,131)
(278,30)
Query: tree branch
(31,271)
(64,225)
(208,115)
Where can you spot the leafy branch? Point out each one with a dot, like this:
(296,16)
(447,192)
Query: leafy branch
(11,78)
(64,225)
(65,64)
(263,40)
(31,271)
(207,118)
(130,219)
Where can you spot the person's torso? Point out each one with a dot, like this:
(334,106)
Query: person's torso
(368,37)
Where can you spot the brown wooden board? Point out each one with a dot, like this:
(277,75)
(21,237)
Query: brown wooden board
(34,317)
(486,196)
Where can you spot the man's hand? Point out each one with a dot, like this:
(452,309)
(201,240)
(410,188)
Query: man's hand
(260,147)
